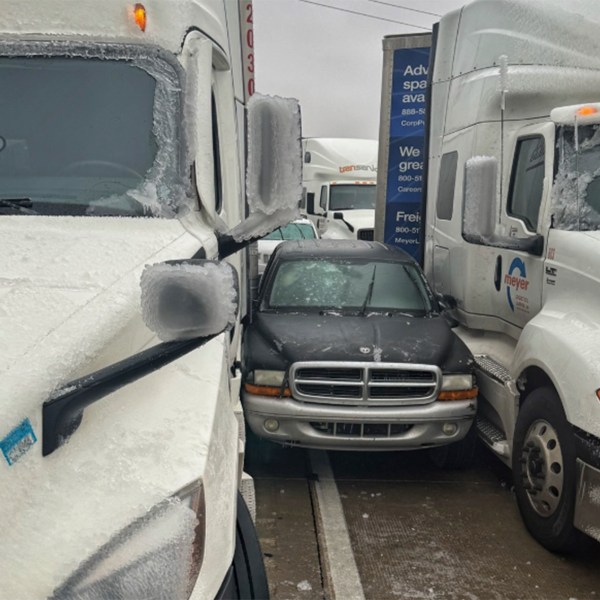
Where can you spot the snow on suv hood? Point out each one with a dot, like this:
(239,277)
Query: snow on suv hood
(69,304)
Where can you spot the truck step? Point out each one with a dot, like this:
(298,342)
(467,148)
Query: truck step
(492,436)
(493,368)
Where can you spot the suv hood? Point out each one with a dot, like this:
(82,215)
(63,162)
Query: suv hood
(276,340)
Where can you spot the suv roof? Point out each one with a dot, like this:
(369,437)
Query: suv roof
(340,249)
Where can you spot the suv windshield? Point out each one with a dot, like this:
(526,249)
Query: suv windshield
(576,191)
(81,136)
(356,286)
(351,197)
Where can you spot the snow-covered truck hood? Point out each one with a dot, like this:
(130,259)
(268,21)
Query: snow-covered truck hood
(70,304)
(359,219)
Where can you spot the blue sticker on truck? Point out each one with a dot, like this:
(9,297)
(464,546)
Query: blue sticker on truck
(18,442)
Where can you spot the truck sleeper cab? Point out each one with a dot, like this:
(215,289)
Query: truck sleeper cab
(512,235)
(340,186)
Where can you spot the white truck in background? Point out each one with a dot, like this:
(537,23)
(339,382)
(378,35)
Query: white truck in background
(513,241)
(122,162)
(340,183)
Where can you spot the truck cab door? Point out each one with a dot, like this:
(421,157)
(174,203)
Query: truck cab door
(321,210)
(518,274)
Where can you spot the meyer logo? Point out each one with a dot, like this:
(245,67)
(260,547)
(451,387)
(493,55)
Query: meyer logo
(515,283)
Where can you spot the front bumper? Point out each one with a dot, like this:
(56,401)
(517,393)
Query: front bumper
(337,427)
(587,502)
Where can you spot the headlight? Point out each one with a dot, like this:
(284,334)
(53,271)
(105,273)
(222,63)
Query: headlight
(458,387)
(268,383)
(157,556)
(269,377)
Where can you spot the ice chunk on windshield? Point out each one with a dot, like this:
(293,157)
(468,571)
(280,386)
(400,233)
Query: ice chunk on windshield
(187,300)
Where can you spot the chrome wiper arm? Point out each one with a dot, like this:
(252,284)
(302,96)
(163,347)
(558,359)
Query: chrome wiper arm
(22,205)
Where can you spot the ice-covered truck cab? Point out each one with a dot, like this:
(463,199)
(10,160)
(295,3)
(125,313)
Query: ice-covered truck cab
(340,186)
(124,214)
(513,207)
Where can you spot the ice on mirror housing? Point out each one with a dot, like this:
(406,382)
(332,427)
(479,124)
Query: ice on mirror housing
(188,300)
(274,175)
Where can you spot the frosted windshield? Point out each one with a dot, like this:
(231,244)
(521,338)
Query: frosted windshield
(576,190)
(77,136)
(341,285)
(352,197)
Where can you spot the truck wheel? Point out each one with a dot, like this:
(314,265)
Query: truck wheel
(250,578)
(543,463)
(458,455)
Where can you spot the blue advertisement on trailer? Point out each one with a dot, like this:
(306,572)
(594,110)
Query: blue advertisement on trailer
(405,182)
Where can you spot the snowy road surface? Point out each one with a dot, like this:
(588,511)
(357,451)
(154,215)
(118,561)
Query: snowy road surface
(407,530)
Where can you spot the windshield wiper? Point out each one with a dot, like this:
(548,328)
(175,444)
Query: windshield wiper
(22,205)
(369,293)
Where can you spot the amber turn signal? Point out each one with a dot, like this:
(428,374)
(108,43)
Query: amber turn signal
(266,390)
(459,394)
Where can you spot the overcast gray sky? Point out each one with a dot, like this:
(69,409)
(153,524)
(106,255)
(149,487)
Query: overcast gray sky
(331,60)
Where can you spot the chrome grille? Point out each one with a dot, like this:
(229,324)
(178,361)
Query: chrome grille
(364,384)
(365,234)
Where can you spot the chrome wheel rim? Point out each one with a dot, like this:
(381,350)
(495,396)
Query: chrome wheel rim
(542,468)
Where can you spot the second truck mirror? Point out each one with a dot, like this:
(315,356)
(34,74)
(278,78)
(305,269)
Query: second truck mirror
(480,203)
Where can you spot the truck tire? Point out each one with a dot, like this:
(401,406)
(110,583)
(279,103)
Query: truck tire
(249,575)
(544,471)
(458,455)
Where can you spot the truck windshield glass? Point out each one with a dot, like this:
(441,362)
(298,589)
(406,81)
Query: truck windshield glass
(352,197)
(576,191)
(341,285)
(79,137)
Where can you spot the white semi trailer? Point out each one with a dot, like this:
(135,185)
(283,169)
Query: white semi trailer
(340,182)
(512,240)
(122,158)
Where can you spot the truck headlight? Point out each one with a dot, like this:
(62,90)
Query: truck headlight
(458,387)
(157,556)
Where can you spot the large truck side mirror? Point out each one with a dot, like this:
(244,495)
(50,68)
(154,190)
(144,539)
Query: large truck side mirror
(186,303)
(480,209)
(480,200)
(274,171)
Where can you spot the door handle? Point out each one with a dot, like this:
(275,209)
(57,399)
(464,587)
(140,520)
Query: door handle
(498,273)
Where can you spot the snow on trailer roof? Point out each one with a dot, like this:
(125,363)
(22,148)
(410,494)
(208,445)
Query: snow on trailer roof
(340,249)
(167,21)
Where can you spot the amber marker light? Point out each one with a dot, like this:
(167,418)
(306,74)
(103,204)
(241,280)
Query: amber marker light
(598,394)
(459,394)
(139,15)
(586,111)
(266,390)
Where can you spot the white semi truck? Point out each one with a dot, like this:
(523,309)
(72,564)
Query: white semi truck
(340,182)
(512,240)
(122,160)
